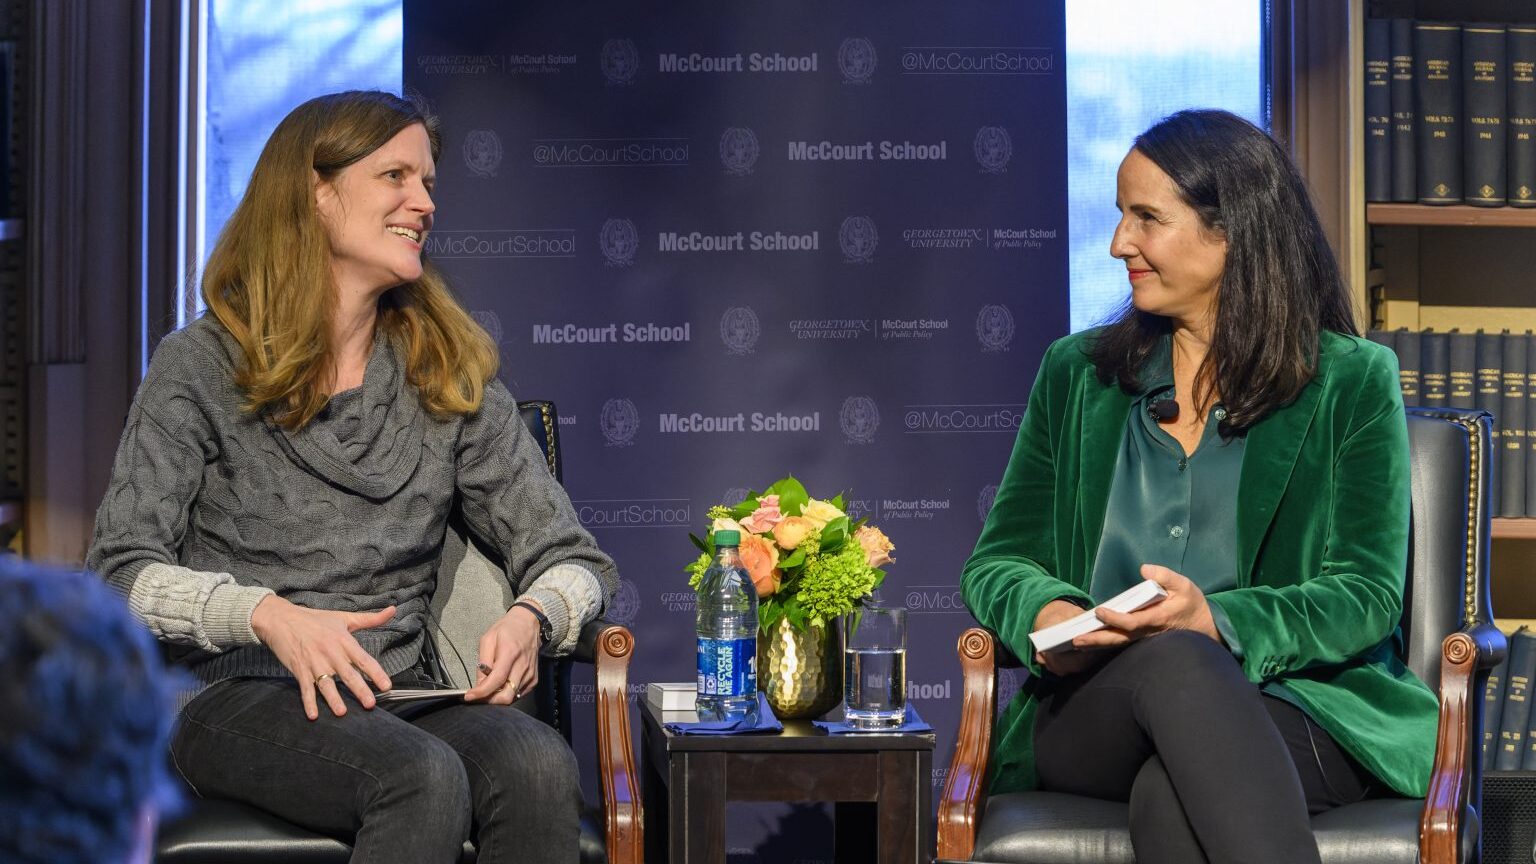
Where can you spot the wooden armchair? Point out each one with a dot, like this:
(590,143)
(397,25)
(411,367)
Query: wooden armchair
(470,588)
(1451,644)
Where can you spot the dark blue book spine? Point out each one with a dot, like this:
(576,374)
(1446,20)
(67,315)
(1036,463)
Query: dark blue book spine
(1512,428)
(1462,392)
(1410,373)
(1493,709)
(1436,369)
(1437,83)
(1530,422)
(1517,704)
(1378,110)
(1404,132)
(1520,54)
(1490,396)
(1483,94)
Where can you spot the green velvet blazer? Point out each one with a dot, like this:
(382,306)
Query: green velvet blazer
(1322,524)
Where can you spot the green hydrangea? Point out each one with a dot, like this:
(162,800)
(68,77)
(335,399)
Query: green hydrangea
(832,584)
(696,570)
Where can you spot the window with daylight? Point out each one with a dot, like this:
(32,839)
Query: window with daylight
(1129,63)
(259,60)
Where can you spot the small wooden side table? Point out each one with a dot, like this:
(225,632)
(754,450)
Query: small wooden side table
(881,786)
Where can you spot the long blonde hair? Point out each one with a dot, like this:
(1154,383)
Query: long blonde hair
(269,281)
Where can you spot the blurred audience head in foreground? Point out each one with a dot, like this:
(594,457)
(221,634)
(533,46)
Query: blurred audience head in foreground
(86,707)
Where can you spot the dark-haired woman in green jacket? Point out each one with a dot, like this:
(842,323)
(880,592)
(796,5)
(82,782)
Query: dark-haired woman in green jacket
(1230,437)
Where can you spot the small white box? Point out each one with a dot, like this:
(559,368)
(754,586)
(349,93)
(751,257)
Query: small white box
(672,697)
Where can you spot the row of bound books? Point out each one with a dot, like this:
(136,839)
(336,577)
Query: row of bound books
(1450,112)
(1492,371)
(1509,741)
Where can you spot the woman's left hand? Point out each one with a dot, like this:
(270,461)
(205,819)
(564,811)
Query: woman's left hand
(509,659)
(1185,608)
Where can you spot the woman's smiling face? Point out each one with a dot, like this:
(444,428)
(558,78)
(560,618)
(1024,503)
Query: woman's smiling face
(378,211)
(1174,260)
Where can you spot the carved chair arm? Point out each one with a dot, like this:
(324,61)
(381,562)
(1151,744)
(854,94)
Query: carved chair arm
(964,796)
(608,647)
(1465,659)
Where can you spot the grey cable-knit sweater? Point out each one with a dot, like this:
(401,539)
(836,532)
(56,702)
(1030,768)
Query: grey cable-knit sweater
(211,508)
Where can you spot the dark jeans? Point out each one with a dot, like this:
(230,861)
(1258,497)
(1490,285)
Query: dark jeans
(1213,769)
(408,785)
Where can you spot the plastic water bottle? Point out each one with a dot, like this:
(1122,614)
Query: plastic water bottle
(727,631)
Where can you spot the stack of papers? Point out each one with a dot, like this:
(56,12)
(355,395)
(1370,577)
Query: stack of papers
(1058,637)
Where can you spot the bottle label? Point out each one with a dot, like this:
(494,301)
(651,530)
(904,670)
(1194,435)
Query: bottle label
(727,667)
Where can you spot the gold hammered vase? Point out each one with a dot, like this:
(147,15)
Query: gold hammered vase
(800,673)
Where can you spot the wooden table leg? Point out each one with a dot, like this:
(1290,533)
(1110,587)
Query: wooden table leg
(653,791)
(902,807)
(697,818)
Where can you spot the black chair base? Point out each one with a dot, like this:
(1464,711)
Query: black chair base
(1050,828)
(224,832)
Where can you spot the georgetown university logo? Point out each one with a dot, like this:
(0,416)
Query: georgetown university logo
(619,421)
(619,241)
(856,60)
(621,60)
(490,322)
(482,152)
(626,604)
(859,419)
(739,330)
(994,328)
(738,150)
(993,149)
(858,238)
(985,499)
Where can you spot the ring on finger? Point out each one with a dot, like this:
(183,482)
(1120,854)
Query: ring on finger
(322,676)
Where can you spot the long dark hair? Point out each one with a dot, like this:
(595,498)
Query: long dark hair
(1280,287)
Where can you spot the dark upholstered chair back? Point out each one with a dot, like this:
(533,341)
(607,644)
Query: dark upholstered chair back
(1450,531)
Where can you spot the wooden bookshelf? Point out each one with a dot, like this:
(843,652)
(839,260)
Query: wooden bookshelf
(1505,528)
(1452,216)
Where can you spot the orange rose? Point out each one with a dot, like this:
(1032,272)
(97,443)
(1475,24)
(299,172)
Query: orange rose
(792,531)
(761,559)
(877,547)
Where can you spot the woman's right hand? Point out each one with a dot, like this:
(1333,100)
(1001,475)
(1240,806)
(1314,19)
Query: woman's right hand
(318,648)
(1066,662)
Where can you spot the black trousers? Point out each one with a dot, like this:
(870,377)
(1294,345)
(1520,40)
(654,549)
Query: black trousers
(1213,769)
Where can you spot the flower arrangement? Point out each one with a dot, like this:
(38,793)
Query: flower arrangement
(808,560)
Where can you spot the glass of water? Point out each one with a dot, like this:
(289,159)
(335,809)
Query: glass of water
(875,668)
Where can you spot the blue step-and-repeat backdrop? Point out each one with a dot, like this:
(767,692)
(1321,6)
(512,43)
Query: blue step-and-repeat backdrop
(738,241)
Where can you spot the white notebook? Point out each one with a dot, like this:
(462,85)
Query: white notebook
(1058,637)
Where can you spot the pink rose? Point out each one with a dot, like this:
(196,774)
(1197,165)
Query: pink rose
(792,531)
(765,516)
(761,559)
(877,547)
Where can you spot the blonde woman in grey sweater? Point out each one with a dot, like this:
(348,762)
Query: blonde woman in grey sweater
(279,502)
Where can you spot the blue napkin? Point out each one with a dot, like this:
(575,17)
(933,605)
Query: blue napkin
(766,722)
(913,723)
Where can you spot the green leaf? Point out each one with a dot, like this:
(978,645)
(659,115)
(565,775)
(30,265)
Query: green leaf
(838,503)
(792,496)
(707,548)
(834,535)
(879,578)
(798,617)
(745,508)
(792,560)
(769,611)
